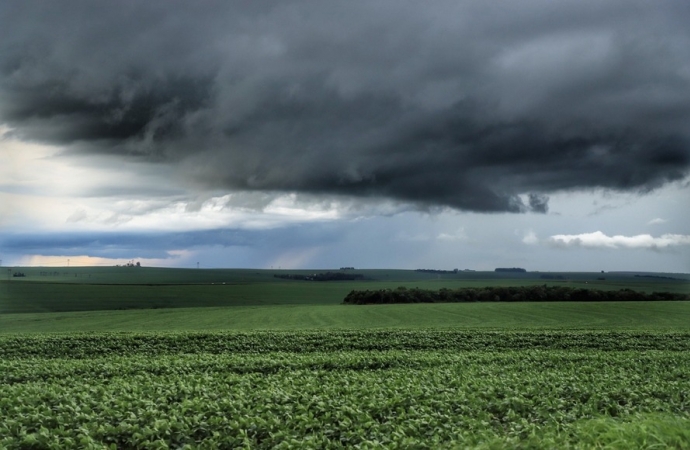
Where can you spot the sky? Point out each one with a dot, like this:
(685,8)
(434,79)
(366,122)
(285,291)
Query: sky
(553,136)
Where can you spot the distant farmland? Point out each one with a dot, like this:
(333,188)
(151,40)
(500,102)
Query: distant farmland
(167,358)
(117,288)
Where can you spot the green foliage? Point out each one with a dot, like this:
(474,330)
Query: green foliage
(90,345)
(542,293)
(649,430)
(392,389)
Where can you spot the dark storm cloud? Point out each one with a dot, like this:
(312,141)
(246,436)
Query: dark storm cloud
(60,117)
(539,203)
(472,105)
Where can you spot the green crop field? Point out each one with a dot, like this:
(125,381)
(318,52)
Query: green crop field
(604,315)
(169,358)
(347,389)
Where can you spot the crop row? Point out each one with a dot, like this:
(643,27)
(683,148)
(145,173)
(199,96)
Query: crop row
(403,399)
(151,344)
(17,371)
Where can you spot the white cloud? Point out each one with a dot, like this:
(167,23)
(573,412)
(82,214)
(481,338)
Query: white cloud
(459,235)
(600,240)
(530,238)
(656,221)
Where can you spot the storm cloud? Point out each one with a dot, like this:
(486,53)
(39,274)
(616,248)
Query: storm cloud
(478,106)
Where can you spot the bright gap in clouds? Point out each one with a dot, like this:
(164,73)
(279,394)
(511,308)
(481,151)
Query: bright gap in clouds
(43,189)
(90,261)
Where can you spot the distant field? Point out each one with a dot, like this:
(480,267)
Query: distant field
(629,315)
(118,288)
(140,299)
(157,275)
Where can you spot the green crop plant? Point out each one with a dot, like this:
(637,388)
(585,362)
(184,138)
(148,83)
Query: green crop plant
(346,389)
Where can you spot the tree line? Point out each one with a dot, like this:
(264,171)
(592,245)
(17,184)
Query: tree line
(504,294)
(327,276)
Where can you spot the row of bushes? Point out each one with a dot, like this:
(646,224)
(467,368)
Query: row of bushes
(328,276)
(505,294)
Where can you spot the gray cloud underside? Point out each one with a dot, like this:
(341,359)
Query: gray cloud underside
(461,104)
(160,245)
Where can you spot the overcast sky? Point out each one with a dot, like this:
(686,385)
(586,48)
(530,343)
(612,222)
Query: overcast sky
(305,134)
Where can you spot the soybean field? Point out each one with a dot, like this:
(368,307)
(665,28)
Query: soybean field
(121,358)
(347,389)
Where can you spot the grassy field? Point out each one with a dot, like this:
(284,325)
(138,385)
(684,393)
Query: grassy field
(138,299)
(170,358)
(604,315)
